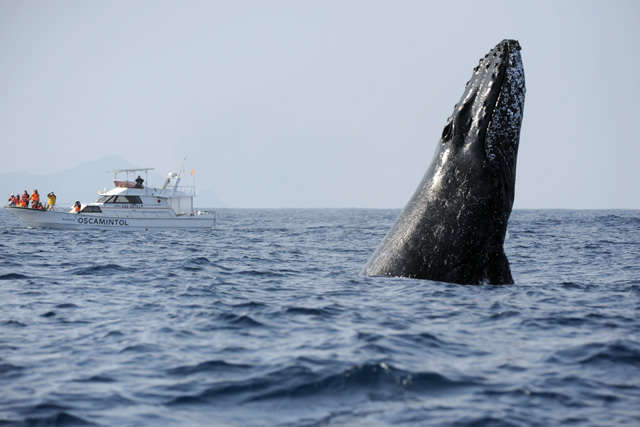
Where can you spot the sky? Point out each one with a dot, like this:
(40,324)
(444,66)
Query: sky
(330,104)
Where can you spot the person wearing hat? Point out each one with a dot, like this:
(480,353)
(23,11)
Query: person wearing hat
(52,201)
(35,198)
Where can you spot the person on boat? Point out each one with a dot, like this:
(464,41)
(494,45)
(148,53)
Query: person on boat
(25,197)
(52,201)
(22,202)
(35,198)
(38,206)
(12,200)
(139,182)
(77,207)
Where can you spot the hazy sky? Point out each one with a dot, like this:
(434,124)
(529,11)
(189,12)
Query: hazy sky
(318,103)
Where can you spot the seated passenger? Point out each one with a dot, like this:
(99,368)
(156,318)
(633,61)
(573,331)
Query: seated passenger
(25,197)
(12,200)
(139,182)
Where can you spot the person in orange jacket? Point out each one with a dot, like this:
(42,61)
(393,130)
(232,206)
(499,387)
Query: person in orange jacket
(77,207)
(25,197)
(35,198)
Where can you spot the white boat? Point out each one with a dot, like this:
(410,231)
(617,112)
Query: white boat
(130,205)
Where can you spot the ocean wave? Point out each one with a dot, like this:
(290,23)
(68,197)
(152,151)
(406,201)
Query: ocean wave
(206,367)
(96,379)
(13,276)
(309,311)
(201,260)
(239,321)
(297,382)
(616,352)
(99,270)
(67,305)
(61,418)
(15,323)
(9,370)
(142,348)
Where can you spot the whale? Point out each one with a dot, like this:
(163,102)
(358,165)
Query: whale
(453,227)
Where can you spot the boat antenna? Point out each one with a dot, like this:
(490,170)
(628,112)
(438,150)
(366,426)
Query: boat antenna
(182,167)
(175,186)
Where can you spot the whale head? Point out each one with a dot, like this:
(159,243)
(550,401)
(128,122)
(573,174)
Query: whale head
(485,123)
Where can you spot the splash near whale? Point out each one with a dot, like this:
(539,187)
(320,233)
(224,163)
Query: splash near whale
(453,228)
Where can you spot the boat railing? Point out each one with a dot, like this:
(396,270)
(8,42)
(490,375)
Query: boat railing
(202,212)
(187,190)
(55,208)
(61,208)
(184,187)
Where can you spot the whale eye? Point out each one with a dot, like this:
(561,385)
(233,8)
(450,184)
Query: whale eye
(446,132)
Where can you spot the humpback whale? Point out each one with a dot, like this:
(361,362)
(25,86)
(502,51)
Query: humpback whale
(453,227)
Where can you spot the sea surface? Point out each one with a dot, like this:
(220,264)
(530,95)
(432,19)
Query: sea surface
(266,321)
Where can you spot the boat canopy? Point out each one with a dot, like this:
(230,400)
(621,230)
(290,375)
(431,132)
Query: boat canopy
(116,171)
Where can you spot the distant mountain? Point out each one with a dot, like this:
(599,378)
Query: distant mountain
(83,182)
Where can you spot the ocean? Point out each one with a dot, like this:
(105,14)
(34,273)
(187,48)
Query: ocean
(266,321)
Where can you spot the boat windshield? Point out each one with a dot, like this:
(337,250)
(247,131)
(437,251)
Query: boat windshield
(91,209)
(135,200)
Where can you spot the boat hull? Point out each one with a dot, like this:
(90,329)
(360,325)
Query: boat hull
(78,221)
